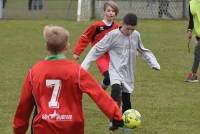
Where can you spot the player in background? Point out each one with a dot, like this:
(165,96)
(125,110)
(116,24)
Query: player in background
(122,45)
(94,33)
(54,87)
(194,24)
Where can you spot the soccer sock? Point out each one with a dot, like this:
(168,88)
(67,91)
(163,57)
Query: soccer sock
(126,102)
(116,93)
(106,80)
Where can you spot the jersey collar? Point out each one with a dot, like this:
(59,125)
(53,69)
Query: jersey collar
(55,57)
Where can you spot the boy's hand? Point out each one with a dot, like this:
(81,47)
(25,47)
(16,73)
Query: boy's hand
(189,34)
(75,56)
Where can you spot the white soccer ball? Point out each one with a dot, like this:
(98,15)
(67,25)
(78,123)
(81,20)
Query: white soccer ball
(131,118)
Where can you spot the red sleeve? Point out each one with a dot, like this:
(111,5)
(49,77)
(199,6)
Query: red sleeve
(103,100)
(24,109)
(84,40)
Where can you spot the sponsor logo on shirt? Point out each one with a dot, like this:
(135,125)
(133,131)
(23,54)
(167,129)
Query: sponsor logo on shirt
(56,116)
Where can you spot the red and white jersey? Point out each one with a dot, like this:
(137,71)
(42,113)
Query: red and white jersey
(55,88)
(92,35)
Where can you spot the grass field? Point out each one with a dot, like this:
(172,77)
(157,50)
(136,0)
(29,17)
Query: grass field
(167,104)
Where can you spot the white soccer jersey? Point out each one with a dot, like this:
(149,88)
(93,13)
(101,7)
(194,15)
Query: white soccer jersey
(122,51)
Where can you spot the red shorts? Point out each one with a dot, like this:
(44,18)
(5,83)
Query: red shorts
(103,63)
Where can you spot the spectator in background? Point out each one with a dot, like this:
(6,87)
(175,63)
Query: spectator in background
(163,9)
(30,4)
(4,3)
(35,4)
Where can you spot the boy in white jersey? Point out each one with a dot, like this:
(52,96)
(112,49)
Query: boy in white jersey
(122,45)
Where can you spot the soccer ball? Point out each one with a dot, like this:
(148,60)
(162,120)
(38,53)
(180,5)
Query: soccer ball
(131,118)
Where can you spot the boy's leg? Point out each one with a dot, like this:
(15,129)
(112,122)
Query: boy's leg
(106,81)
(126,104)
(192,77)
(116,95)
(30,5)
(196,58)
(126,101)
(40,3)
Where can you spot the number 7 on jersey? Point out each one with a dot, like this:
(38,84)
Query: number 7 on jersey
(56,85)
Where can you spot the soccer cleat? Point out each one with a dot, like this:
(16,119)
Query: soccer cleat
(114,125)
(113,128)
(192,78)
(110,124)
(127,130)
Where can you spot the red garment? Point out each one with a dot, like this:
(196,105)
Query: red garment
(57,87)
(92,35)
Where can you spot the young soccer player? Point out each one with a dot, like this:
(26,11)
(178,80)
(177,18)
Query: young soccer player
(194,23)
(122,45)
(55,86)
(95,33)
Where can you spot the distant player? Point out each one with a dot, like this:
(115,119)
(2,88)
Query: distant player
(194,24)
(122,45)
(95,33)
(54,87)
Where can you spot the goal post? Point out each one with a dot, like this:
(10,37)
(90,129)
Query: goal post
(1,9)
(85,9)
(79,10)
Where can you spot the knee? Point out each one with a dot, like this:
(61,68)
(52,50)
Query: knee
(116,92)
(197,50)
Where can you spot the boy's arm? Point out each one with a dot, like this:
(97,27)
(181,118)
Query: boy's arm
(191,22)
(148,55)
(97,50)
(24,109)
(84,40)
(89,85)
(190,25)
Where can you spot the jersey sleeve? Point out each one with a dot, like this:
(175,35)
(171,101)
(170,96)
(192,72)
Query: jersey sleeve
(84,40)
(90,86)
(97,50)
(24,108)
(147,55)
(191,22)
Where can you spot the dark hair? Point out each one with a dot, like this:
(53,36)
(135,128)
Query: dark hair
(130,19)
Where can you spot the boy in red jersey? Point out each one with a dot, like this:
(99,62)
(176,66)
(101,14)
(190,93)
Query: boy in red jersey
(54,87)
(94,34)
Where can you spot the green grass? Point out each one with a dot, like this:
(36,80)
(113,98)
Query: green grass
(167,104)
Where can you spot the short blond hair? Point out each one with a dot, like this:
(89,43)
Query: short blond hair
(111,4)
(56,38)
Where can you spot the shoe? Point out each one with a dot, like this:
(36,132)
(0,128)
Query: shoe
(113,128)
(192,78)
(128,130)
(110,124)
(114,125)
